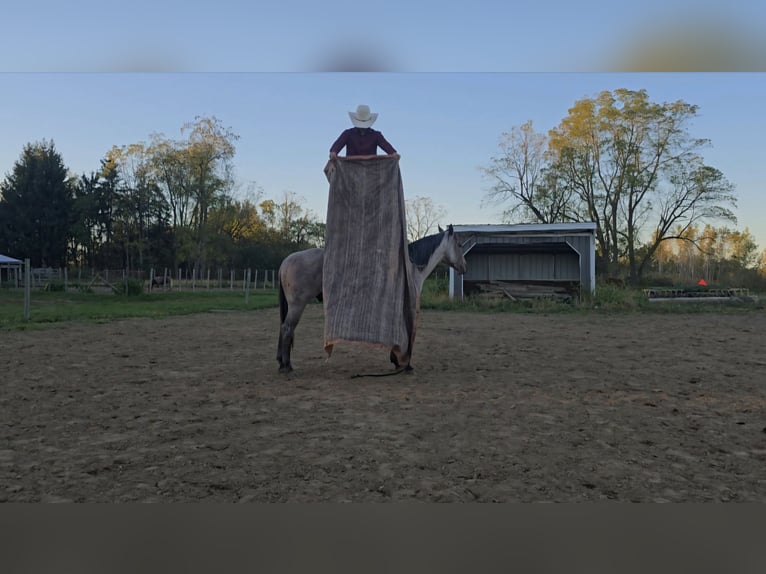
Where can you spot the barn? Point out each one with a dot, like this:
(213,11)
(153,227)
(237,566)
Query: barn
(527,260)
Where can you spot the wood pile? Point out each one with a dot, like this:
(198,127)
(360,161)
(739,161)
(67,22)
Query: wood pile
(514,290)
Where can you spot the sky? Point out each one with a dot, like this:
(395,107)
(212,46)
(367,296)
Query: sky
(398,35)
(446,79)
(446,126)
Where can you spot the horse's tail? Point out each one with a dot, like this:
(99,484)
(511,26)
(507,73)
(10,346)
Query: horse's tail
(282,304)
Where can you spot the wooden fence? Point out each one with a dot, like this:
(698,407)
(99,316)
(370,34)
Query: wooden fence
(179,279)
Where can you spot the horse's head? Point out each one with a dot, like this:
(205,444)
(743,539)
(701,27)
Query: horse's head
(454,253)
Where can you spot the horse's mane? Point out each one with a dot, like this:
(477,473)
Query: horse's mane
(422,249)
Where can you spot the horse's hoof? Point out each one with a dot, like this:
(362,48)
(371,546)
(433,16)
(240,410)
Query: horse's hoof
(408,369)
(285,369)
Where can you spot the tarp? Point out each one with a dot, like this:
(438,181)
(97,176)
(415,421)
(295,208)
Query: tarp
(367,285)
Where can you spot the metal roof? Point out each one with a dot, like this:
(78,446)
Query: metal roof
(6,259)
(527,228)
(525,248)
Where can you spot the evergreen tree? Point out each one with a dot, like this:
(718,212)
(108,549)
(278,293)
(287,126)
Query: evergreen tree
(36,206)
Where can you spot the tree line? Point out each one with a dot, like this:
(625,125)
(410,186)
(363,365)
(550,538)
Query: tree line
(631,166)
(166,203)
(618,159)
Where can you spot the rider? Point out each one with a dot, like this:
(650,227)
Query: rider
(361,139)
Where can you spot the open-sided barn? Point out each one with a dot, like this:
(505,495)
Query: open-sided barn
(527,260)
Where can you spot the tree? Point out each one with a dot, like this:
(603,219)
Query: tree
(195,174)
(96,198)
(85,235)
(621,161)
(520,176)
(423,217)
(36,206)
(140,207)
(631,161)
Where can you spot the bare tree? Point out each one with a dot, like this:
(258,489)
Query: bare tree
(423,217)
(521,179)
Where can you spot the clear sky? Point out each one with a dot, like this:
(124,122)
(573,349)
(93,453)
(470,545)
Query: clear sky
(446,126)
(398,35)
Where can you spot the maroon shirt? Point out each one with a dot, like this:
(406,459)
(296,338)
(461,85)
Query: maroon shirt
(361,141)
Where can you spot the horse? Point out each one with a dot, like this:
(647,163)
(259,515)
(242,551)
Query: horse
(300,281)
(161,281)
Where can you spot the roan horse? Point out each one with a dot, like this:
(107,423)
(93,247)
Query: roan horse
(300,281)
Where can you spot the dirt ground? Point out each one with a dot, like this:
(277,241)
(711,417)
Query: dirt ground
(500,407)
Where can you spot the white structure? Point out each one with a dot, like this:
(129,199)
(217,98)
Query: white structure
(546,254)
(8,265)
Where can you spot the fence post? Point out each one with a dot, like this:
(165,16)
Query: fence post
(208,279)
(27,289)
(179,279)
(247,286)
(231,280)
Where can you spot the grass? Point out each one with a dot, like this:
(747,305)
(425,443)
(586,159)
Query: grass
(51,307)
(607,299)
(56,307)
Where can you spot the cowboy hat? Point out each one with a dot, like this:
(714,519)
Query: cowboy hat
(362,118)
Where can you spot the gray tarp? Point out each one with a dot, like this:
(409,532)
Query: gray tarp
(367,286)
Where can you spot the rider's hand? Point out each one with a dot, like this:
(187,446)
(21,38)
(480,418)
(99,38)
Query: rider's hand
(333,155)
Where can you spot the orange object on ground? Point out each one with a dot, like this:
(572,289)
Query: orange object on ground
(702,283)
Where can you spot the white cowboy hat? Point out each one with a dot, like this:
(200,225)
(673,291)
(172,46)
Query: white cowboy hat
(362,118)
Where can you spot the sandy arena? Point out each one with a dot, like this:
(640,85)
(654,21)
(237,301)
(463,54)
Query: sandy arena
(500,407)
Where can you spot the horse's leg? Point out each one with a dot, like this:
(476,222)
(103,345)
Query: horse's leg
(399,359)
(286,332)
(283,308)
(287,335)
